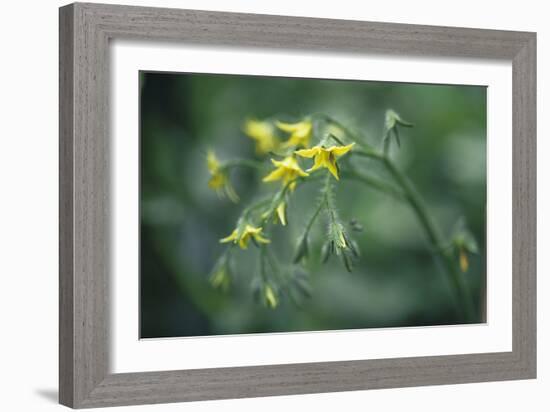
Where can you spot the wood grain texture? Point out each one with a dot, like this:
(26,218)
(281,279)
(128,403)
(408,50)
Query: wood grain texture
(85,31)
(66,229)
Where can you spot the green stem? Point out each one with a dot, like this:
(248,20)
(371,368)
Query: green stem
(368,152)
(434,236)
(373,182)
(314,216)
(416,203)
(249,209)
(354,136)
(329,201)
(432,232)
(322,203)
(386,144)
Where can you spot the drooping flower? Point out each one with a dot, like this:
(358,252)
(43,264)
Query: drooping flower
(464,244)
(287,170)
(263,133)
(243,236)
(340,244)
(464,249)
(463,260)
(220,279)
(325,157)
(270,297)
(219,181)
(300,133)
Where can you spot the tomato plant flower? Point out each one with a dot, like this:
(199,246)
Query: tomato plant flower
(219,181)
(243,236)
(287,170)
(325,157)
(263,133)
(300,133)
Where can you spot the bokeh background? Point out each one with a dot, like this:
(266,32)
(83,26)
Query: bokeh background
(396,282)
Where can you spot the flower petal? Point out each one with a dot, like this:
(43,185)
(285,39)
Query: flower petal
(308,152)
(277,163)
(217,181)
(292,141)
(274,175)
(249,229)
(301,173)
(333,168)
(281,213)
(317,164)
(243,241)
(212,162)
(288,127)
(270,297)
(230,238)
(341,150)
(260,239)
(463,259)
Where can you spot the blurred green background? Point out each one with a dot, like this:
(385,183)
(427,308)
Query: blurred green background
(396,282)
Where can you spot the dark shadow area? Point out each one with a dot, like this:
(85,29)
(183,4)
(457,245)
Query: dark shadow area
(51,395)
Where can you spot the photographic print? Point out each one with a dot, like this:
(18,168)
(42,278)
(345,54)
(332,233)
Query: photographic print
(279,205)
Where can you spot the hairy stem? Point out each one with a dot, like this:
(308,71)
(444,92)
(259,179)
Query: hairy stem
(322,203)
(314,216)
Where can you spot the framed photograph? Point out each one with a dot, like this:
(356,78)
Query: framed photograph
(256,205)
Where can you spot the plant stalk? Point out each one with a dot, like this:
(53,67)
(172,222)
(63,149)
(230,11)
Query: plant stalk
(432,232)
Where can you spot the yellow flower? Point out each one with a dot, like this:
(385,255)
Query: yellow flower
(341,240)
(281,213)
(463,260)
(218,179)
(300,133)
(325,157)
(212,162)
(464,244)
(287,170)
(242,237)
(270,297)
(263,133)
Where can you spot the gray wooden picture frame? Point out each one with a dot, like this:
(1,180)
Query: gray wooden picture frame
(85,32)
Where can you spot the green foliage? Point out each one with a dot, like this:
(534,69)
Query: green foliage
(338,241)
(368,219)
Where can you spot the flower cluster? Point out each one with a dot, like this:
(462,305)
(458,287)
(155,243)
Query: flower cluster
(313,150)
(288,145)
